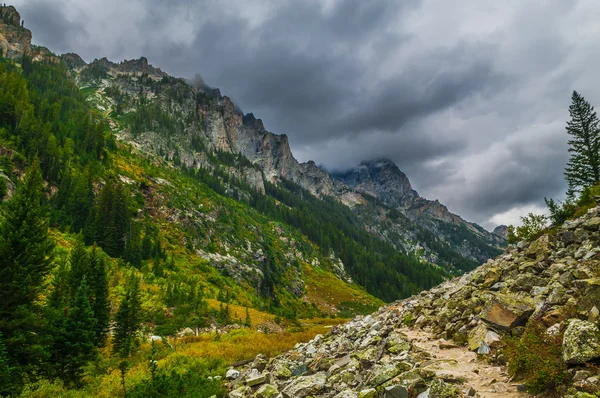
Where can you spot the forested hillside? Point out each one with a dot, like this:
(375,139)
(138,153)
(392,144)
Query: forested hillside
(105,244)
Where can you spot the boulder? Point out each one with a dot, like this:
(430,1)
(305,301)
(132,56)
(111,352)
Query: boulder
(232,374)
(305,385)
(396,391)
(267,391)
(368,393)
(507,312)
(581,342)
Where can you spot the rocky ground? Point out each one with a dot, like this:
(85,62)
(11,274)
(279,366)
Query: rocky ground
(442,342)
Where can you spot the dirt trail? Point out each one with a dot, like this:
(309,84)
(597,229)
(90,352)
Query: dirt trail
(458,363)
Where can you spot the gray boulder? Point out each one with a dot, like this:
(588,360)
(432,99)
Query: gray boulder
(581,342)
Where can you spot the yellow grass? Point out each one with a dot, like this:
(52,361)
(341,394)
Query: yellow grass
(239,312)
(244,344)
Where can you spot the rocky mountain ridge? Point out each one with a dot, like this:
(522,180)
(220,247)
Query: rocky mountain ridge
(186,121)
(223,127)
(552,283)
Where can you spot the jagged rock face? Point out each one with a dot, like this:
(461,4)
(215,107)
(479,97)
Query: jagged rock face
(73,61)
(134,67)
(501,231)
(14,39)
(382,179)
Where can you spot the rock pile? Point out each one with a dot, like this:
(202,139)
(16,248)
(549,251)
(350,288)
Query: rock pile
(554,280)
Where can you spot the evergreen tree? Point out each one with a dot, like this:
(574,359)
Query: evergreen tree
(583,169)
(25,260)
(127,320)
(5,370)
(99,292)
(76,345)
(79,265)
(247,322)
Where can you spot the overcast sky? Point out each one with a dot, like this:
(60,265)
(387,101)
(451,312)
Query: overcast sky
(468,97)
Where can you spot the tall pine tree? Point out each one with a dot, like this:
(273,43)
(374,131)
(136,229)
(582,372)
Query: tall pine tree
(99,291)
(76,344)
(79,265)
(25,260)
(127,319)
(583,169)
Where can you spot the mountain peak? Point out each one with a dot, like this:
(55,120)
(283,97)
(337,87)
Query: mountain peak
(381,178)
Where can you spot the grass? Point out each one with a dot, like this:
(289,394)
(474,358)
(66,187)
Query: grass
(239,312)
(244,344)
(328,292)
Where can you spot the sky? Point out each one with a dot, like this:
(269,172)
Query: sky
(468,97)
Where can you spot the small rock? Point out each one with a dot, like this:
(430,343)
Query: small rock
(256,380)
(232,374)
(368,393)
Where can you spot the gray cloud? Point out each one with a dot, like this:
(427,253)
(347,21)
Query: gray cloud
(52,28)
(469,98)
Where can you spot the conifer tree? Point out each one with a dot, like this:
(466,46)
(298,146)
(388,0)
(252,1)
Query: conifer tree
(25,260)
(127,319)
(76,346)
(99,292)
(247,322)
(79,265)
(583,168)
(5,370)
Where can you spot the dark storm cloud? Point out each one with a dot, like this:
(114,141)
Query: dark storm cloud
(468,97)
(50,25)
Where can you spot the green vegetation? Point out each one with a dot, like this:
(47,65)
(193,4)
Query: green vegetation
(99,233)
(533,225)
(536,359)
(583,169)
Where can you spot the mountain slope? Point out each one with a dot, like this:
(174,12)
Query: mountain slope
(536,306)
(415,224)
(203,120)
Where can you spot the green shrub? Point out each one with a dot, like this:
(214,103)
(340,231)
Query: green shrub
(184,377)
(536,358)
(533,226)
(3,187)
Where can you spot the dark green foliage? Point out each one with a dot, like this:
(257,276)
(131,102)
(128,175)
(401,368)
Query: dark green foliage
(583,168)
(3,187)
(372,263)
(127,319)
(247,321)
(75,345)
(5,369)
(99,295)
(536,358)
(560,212)
(112,219)
(133,250)
(188,379)
(532,226)
(79,262)
(25,258)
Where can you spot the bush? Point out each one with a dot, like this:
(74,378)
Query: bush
(183,377)
(536,358)
(3,187)
(533,226)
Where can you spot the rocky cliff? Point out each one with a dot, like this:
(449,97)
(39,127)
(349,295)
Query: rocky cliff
(552,283)
(208,120)
(15,39)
